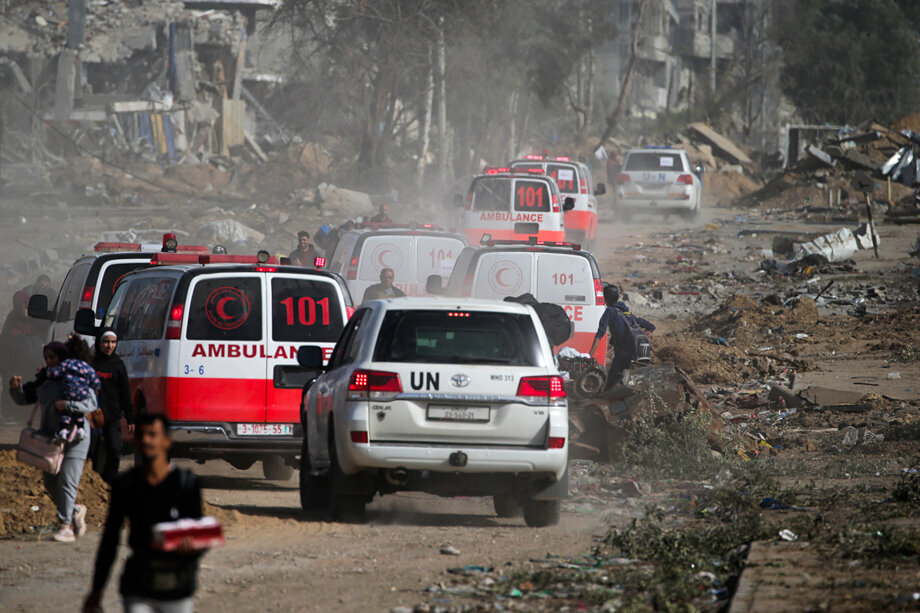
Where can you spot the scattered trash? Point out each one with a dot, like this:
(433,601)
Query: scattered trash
(449,550)
(788,535)
(894,374)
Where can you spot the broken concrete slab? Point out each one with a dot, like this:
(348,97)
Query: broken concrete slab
(784,395)
(825,396)
(721,143)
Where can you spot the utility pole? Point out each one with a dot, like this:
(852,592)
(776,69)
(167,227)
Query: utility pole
(441,66)
(712,46)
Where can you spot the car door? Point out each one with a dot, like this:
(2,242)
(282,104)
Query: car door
(328,392)
(305,310)
(222,358)
(69,301)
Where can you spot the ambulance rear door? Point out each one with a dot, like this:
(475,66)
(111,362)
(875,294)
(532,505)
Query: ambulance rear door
(305,310)
(379,251)
(222,353)
(503,273)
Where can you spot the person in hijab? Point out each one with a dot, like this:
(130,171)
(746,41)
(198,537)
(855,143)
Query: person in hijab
(115,402)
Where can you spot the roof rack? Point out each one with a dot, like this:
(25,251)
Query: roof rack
(487,241)
(388,225)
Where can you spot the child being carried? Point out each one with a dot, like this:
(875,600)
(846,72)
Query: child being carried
(79,381)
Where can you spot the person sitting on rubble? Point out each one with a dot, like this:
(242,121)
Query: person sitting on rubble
(384,289)
(383,216)
(305,254)
(626,334)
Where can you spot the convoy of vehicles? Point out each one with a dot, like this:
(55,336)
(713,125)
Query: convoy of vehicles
(413,252)
(658,180)
(574,180)
(451,397)
(455,394)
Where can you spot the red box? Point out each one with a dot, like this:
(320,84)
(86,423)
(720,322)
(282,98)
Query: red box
(206,533)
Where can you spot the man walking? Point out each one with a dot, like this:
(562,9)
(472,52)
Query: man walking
(384,289)
(153,581)
(623,327)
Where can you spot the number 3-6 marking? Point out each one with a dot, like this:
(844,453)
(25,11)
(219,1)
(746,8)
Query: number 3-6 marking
(190,370)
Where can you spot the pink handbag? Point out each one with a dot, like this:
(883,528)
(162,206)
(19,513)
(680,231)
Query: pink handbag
(37,449)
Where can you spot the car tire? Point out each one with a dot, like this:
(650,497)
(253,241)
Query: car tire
(507,506)
(346,508)
(275,469)
(591,383)
(542,513)
(314,491)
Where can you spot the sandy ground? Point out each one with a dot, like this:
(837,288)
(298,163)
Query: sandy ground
(278,560)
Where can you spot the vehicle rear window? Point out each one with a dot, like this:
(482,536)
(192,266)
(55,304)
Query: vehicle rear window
(566,177)
(531,196)
(491,194)
(304,310)
(458,337)
(71,292)
(111,275)
(654,161)
(142,314)
(226,309)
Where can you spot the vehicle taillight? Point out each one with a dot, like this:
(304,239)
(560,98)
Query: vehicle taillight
(555,204)
(623,178)
(685,180)
(599,293)
(555,442)
(469,202)
(352,273)
(174,324)
(373,385)
(359,436)
(583,185)
(86,298)
(266,269)
(349,311)
(548,387)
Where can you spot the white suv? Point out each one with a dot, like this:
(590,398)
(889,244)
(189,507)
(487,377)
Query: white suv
(447,396)
(658,180)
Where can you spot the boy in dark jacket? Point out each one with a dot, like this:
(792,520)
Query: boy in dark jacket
(114,400)
(616,319)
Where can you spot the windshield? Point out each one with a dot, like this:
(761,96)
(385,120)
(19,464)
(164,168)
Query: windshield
(458,337)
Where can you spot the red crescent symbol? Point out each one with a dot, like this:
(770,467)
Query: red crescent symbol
(220,307)
(380,258)
(498,276)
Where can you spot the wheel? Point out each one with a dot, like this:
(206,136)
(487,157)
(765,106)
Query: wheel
(346,508)
(542,513)
(274,469)
(506,505)
(314,491)
(591,383)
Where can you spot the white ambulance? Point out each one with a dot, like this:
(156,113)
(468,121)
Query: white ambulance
(510,205)
(211,342)
(413,252)
(91,281)
(557,273)
(574,179)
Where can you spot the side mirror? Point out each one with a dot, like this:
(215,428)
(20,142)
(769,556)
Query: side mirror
(38,307)
(458,200)
(310,356)
(699,169)
(600,189)
(568,204)
(84,322)
(434,285)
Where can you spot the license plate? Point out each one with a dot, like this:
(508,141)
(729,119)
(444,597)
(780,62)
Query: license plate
(264,429)
(480,414)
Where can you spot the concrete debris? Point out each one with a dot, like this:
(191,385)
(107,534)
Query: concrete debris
(229,232)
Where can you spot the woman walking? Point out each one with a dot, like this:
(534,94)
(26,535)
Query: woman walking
(49,394)
(114,400)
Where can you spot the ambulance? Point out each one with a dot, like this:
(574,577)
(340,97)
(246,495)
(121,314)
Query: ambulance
(91,280)
(574,180)
(211,342)
(413,252)
(511,205)
(557,273)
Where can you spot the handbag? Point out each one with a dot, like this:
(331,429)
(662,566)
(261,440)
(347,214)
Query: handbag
(97,419)
(37,449)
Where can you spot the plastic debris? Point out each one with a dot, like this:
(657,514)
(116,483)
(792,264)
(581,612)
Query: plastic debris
(449,550)
(788,535)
